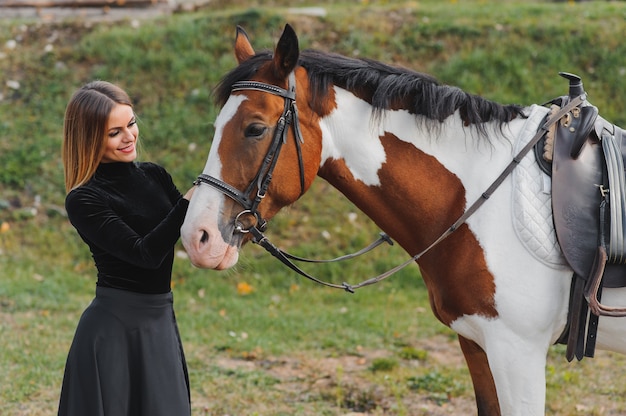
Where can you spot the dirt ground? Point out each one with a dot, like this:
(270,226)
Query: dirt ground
(302,377)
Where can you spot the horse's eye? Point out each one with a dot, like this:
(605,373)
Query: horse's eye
(255,131)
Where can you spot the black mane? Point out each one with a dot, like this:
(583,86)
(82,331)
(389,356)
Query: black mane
(384,86)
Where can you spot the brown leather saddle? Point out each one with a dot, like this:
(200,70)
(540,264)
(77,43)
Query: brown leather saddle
(588,155)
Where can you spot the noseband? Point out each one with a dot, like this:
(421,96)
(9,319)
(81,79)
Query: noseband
(263,177)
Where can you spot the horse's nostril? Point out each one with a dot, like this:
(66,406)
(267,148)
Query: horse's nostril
(205,237)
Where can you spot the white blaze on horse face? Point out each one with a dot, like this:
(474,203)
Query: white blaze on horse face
(213,165)
(202,230)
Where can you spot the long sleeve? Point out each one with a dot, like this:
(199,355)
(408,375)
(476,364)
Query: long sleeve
(130,217)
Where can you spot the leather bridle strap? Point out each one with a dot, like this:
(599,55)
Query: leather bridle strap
(260,239)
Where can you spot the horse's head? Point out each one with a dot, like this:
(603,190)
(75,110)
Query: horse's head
(259,161)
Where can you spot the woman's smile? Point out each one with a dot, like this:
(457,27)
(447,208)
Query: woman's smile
(122,133)
(128,149)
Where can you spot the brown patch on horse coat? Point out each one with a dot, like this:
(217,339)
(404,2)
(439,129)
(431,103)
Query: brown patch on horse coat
(417,200)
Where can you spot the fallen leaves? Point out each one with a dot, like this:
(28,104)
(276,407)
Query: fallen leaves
(244,288)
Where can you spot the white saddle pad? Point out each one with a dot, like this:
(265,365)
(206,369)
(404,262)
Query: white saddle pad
(532,199)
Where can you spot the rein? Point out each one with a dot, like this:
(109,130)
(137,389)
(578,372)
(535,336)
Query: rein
(264,177)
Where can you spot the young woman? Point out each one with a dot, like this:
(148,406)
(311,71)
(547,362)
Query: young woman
(126,358)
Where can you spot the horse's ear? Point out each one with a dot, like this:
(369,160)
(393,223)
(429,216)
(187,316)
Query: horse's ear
(286,53)
(243,48)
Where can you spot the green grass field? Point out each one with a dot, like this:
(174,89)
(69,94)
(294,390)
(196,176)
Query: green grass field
(260,340)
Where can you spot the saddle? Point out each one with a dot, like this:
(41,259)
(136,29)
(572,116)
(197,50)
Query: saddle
(586,155)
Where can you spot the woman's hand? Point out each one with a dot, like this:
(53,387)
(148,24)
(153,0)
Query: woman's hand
(187,196)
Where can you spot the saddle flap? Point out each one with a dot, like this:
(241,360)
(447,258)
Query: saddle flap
(576,197)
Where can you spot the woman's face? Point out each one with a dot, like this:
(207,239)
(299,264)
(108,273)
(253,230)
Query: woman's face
(121,135)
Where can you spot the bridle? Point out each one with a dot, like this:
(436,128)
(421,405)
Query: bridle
(264,176)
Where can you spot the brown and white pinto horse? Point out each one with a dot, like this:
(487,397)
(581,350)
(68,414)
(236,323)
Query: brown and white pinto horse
(413,155)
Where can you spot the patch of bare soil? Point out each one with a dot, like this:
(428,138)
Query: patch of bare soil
(303,377)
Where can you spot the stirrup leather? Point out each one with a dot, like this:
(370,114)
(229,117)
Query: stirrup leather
(615,251)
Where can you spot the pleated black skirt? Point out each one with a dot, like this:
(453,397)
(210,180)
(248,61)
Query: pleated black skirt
(126,359)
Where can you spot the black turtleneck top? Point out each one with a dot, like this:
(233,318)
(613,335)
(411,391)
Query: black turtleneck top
(130,215)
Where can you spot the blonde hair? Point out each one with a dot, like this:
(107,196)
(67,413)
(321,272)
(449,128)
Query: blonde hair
(84,129)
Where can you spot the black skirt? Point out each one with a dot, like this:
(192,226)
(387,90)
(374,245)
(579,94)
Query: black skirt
(126,359)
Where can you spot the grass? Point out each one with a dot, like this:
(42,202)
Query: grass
(260,340)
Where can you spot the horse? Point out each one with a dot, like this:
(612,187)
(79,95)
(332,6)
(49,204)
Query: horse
(414,155)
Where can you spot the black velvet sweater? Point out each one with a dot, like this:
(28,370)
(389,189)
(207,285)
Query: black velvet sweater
(130,215)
